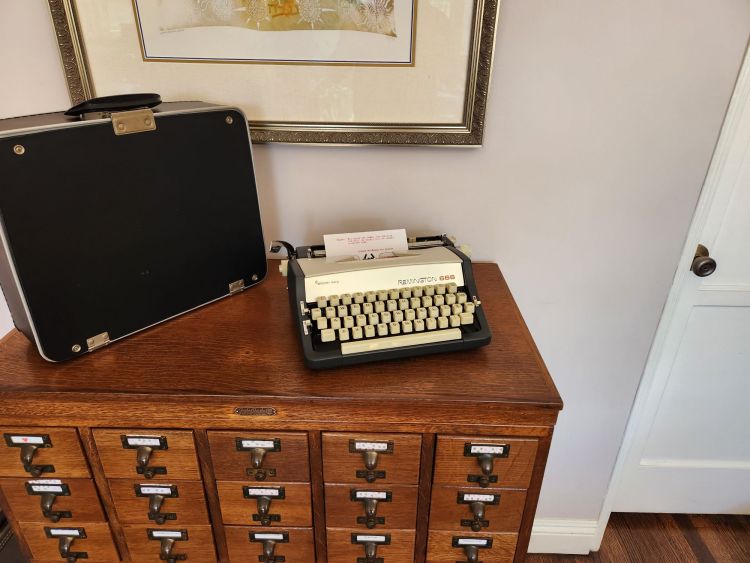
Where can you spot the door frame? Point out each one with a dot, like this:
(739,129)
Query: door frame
(652,381)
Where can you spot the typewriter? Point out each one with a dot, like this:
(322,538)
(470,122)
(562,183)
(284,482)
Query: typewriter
(351,311)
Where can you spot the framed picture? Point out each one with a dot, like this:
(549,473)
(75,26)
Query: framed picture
(303,71)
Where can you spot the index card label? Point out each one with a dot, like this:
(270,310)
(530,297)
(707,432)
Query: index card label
(156,490)
(265,444)
(167,534)
(268,537)
(262,492)
(371,446)
(67,532)
(143,441)
(472,541)
(47,489)
(487,449)
(370,539)
(45,482)
(380,495)
(469,497)
(36,440)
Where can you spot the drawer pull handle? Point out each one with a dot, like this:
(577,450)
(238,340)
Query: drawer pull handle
(142,457)
(64,546)
(472,553)
(371,512)
(264,508)
(28,451)
(48,499)
(486,463)
(165,552)
(155,503)
(269,547)
(371,543)
(477,508)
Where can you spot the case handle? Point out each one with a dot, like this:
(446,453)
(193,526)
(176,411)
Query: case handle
(122,102)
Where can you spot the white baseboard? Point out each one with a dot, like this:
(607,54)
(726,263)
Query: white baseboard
(551,535)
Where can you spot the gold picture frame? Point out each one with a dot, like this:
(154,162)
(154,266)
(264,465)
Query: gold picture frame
(468,131)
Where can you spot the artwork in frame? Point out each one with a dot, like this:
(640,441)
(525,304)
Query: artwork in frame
(303,71)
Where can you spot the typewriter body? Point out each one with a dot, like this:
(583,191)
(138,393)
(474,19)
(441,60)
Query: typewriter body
(351,311)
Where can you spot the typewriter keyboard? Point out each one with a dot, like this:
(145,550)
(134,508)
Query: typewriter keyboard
(390,318)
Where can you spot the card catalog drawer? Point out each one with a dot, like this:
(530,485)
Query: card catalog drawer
(89,542)
(150,544)
(251,544)
(484,462)
(371,507)
(248,503)
(350,546)
(40,452)
(260,456)
(468,546)
(371,458)
(147,454)
(159,503)
(476,509)
(63,501)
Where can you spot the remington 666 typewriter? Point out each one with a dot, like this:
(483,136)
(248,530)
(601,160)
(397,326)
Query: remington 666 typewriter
(351,311)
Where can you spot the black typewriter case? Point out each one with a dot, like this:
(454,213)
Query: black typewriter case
(105,234)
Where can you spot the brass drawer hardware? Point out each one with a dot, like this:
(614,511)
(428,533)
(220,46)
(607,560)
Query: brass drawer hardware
(471,547)
(258,450)
(371,543)
(370,500)
(49,490)
(66,537)
(167,540)
(485,454)
(263,497)
(145,446)
(370,451)
(29,445)
(269,541)
(477,503)
(156,495)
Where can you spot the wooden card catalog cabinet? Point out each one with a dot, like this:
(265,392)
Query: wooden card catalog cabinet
(206,439)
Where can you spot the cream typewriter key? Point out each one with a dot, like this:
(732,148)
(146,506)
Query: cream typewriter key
(385,317)
(382,329)
(393,294)
(346,299)
(468,307)
(369,331)
(405,293)
(343,310)
(410,314)
(427,301)
(439,300)
(395,328)
(433,312)
(382,295)
(417,291)
(355,310)
(369,297)
(321,302)
(330,312)
(455,321)
(418,325)
(403,304)
(430,323)
(335,323)
(440,289)
(322,323)
(357,333)
(467,319)
(315,314)
(456,309)
(421,313)
(391,305)
(361,320)
(450,298)
(358,297)
(343,334)
(460,297)
(367,308)
(380,306)
(374,318)
(429,290)
(445,311)
(348,322)
(333,300)
(328,335)
(406,327)
(398,316)
(452,288)
(415,302)
(442,322)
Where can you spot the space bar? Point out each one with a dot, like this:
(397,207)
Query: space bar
(388,342)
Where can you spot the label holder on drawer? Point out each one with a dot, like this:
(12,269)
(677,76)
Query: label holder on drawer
(371,542)
(66,537)
(486,455)
(49,490)
(156,495)
(264,496)
(258,448)
(145,445)
(29,444)
(370,450)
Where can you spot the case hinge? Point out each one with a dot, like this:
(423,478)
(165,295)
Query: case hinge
(236,287)
(135,121)
(97,341)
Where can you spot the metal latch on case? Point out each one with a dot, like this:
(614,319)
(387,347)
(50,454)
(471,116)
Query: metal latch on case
(134,121)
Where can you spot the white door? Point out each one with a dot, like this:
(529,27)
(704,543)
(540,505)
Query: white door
(687,448)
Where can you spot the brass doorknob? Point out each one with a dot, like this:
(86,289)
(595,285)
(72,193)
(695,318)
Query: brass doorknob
(703,265)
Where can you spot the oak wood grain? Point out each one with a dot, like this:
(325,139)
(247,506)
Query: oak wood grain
(441,548)
(399,513)
(342,550)
(64,454)
(98,542)
(448,514)
(82,503)
(188,508)
(294,509)
(198,547)
(300,546)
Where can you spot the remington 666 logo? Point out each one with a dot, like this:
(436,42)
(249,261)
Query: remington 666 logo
(427,279)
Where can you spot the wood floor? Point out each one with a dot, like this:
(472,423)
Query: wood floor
(667,538)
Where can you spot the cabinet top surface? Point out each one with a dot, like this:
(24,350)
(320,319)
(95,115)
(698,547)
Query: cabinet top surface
(246,345)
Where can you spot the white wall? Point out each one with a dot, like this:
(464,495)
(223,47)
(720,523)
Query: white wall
(601,124)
